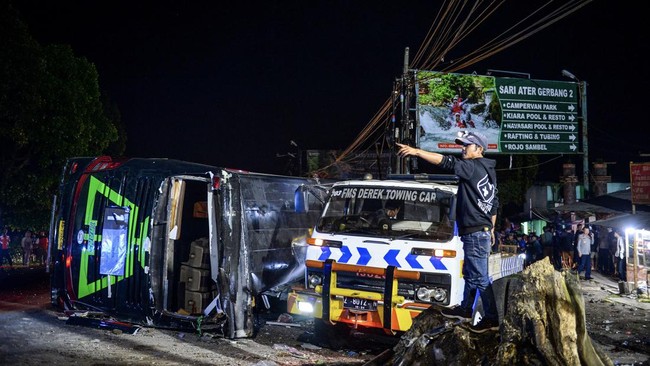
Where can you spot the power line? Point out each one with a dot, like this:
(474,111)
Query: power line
(453,23)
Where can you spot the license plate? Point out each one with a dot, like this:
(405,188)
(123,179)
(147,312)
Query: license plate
(359,304)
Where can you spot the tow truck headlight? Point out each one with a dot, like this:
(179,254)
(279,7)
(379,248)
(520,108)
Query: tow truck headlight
(430,252)
(431,294)
(324,242)
(314,280)
(439,294)
(305,307)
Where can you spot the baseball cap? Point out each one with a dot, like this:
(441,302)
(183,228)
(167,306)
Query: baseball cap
(470,137)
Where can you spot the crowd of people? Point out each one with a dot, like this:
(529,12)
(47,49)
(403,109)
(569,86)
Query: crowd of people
(581,249)
(25,247)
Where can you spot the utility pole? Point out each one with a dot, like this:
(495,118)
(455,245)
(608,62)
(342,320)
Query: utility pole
(405,122)
(585,147)
(582,89)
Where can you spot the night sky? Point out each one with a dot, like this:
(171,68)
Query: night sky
(232,83)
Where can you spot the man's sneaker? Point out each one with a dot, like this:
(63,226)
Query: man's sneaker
(484,325)
(456,312)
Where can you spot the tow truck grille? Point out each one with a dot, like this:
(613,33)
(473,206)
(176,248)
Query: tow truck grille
(406,288)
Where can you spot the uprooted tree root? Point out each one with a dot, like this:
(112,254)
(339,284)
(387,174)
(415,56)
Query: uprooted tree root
(543,323)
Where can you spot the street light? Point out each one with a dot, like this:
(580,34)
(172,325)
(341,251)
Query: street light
(569,75)
(582,88)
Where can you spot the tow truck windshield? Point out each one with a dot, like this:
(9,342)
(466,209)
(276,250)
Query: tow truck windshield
(414,214)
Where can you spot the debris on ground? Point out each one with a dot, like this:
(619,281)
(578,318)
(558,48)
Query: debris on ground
(101,321)
(290,350)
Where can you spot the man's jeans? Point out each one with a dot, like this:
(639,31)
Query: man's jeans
(475,271)
(585,265)
(622,269)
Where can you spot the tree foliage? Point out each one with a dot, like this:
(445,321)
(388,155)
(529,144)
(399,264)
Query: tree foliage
(439,89)
(515,175)
(50,110)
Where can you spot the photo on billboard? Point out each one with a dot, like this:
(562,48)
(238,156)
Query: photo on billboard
(448,103)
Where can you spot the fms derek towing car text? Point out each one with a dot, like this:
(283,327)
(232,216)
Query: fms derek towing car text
(385,250)
(174,244)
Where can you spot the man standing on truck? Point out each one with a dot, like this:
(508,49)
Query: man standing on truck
(476,218)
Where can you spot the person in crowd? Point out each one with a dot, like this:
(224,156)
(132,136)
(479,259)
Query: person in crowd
(595,234)
(533,249)
(26,244)
(5,240)
(585,241)
(43,242)
(557,241)
(36,250)
(476,217)
(613,246)
(500,240)
(576,234)
(510,239)
(510,243)
(546,240)
(604,258)
(522,241)
(621,256)
(567,248)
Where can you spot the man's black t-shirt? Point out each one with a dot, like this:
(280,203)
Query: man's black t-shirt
(477,192)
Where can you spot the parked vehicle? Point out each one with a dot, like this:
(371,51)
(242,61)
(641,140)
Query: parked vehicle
(174,244)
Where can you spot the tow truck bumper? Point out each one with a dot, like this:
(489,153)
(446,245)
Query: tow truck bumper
(356,308)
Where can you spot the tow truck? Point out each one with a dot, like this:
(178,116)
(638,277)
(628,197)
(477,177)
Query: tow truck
(381,273)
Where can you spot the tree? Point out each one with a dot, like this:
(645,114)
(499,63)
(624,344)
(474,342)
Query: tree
(50,110)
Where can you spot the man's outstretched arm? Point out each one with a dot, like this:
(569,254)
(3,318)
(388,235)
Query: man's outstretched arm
(431,157)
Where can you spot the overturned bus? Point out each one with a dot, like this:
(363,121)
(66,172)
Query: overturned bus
(175,244)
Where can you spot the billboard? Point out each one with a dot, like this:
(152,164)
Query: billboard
(640,181)
(518,116)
